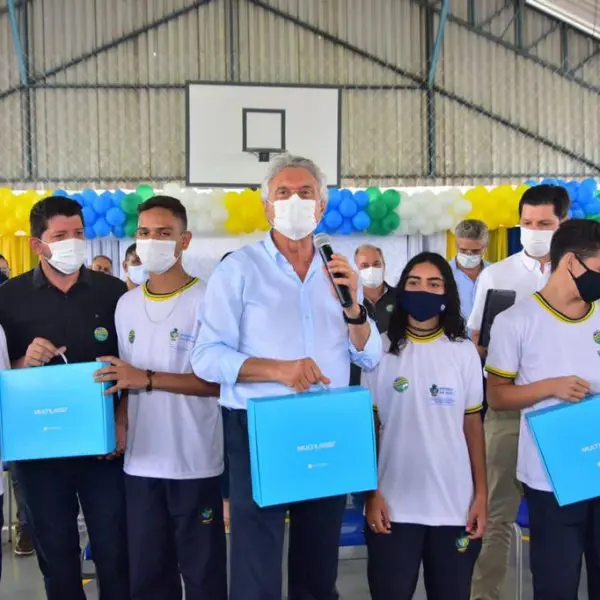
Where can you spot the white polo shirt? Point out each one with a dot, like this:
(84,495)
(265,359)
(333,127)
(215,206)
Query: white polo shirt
(170,436)
(4,364)
(530,342)
(518,272)
(422,396)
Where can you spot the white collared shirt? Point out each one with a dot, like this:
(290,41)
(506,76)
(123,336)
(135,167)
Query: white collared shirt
(257,306)
(531,342)
(518,272)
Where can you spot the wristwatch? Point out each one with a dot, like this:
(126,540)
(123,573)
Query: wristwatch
(149,374)
(360,320)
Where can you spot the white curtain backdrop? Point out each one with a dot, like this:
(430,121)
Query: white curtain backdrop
(205,253)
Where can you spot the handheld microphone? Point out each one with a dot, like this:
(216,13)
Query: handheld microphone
(323,245)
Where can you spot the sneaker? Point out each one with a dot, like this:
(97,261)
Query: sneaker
(23,544)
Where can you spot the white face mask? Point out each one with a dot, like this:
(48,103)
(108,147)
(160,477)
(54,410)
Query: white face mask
(67,255)
(468,261)
(294,218)
(137,274)
(536,242)
(157,256)
(371,277)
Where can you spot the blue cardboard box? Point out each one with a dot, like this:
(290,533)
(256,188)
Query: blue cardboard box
(311,445)
(568,439)
(55,411)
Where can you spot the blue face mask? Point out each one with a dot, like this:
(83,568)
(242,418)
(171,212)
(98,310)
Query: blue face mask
(421,306)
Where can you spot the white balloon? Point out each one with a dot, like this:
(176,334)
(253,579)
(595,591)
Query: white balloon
(218,214)
(444,222)
(203,223)
(172,189)
(428,228)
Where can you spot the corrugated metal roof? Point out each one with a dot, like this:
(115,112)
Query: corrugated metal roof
(582,14)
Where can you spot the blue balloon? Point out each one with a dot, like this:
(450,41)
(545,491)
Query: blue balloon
(117,197)
(361,221)
(333,219)
(101,228)
(115,216)
(60,193)
(592,208)
(348,206)
(102,204)
(569,214)
(548,181)
(334,198)
(578,214)
(89,196)
(89,233)
(346,228)
(321,228)
(89,216)
(118,231)
(531,182)
(79,199)
(361,198)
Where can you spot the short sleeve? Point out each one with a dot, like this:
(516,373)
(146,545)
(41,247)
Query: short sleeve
(504,351)
(484,283)
(4,360)
(121,333)
(473,380)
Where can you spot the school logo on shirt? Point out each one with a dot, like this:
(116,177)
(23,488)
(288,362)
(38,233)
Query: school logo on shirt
(174,334)
(131,336)
(441,395)
(207,516)
(400,384)
(101,334)
(597,336)
(462,543)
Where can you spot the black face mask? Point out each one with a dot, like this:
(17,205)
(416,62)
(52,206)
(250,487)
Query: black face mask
(588,284)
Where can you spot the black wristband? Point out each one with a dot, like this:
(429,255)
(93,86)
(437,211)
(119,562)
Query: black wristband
(149,374)
(360,320)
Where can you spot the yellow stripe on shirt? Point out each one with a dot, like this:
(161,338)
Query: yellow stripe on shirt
(431,337)
(555,313)
(162,297)
(474,409)
(500,372)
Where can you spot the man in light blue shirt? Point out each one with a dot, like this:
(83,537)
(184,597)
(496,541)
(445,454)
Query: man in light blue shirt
(271,325)
(471,238)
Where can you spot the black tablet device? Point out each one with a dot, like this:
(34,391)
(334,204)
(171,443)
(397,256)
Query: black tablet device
(496,302)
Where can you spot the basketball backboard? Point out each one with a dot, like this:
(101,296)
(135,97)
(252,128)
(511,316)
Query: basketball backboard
(233,129)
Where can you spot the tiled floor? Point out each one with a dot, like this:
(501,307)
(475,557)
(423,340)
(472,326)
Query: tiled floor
(21,579)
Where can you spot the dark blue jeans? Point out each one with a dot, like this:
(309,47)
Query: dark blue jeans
(257,535)
(52,490)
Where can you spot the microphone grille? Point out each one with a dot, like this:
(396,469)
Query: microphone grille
(322,239)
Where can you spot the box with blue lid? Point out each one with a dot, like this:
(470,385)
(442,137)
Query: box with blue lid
(311,445)
(55,411)
(568,440)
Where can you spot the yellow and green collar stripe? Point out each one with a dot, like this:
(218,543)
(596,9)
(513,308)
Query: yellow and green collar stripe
(555,313)
(430,337)
(162,297)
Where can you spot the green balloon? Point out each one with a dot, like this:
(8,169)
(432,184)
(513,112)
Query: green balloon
(375,228)
(131,226)
(130,204)
(144,191)
(391,199)
(390,222)
(377,209)
(373,192)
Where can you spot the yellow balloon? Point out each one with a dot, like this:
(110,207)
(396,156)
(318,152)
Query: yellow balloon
(234,225)
(10,225)
(232,202)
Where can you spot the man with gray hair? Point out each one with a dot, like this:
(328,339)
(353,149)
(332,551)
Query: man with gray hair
(271,325)
(471,238)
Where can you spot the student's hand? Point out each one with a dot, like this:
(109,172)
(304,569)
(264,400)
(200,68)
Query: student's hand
(570,389)
(124,376)
(477,518)
(41,352)
(300,374)
(378,515)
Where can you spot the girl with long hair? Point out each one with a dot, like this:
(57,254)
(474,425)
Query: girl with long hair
(430,507)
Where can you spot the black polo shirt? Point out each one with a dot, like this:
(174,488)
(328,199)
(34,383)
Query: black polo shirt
(83,319)
(380,312)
